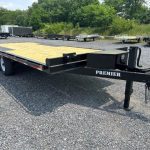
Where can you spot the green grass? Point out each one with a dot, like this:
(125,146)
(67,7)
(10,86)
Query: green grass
(60,28)
(139,30)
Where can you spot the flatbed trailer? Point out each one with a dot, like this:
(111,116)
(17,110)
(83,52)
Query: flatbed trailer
(85,37)
(69,37)
(55,36)
(117,64)
(60,37)
(125,39)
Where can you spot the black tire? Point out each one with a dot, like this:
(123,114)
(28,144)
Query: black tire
(0,65)
(139,40)
(123,41)
(7,66)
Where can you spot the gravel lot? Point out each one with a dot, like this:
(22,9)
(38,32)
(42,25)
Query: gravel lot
(71,112)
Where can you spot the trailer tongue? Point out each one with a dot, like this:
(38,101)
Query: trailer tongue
(117,64)
(128,72)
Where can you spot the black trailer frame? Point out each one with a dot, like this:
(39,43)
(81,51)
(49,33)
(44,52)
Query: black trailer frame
(77,64)
(60,37)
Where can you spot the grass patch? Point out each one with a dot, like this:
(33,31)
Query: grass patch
(139,30)
(119,26)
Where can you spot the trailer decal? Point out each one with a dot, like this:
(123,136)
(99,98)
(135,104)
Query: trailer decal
(108,73)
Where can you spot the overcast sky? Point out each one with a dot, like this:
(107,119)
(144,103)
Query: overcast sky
(23,4)
(16,4)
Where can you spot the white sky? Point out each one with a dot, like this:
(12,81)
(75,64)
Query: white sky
(23,4)
(16,4)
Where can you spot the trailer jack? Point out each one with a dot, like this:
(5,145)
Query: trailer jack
(129,91)
(147,92)
(133,63)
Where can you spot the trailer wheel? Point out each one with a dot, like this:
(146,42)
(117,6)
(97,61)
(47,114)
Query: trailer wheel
(139,40)
(85,39)
(123,41)
(7,66)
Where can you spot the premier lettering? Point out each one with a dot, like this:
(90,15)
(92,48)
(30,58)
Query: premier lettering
(108,73)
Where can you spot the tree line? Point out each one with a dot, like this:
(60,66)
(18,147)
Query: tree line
(83,13)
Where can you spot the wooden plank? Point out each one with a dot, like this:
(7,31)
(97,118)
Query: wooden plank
(39,53)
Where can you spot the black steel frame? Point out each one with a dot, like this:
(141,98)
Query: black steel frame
(114,74)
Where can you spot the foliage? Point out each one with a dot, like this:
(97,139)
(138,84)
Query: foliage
(139,30)
(120,25)
(117,4)
(80,16)
(56,28)
(64,10)
(36,16)
(95,16)
(12,17)
(131,9)
(144,16)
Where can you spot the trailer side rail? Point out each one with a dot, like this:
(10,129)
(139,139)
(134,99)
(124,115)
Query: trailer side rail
(26,62)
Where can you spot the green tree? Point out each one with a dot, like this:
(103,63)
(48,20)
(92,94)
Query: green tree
(95,16)
(64,10)
(37,16)
(144,17)
(117,4)
(129,9)
(13,17)
(134,8)
(120,25)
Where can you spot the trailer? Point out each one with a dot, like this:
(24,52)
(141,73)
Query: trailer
(4,31)
(81,37)
(21,31)
(123,64)
(125,39)
(69,37)
(60,37)
(5,28)
(55,36)
(84,37)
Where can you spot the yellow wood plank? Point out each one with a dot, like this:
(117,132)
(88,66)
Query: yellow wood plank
(39,53)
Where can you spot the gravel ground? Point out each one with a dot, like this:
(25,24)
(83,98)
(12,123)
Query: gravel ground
(71,112)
